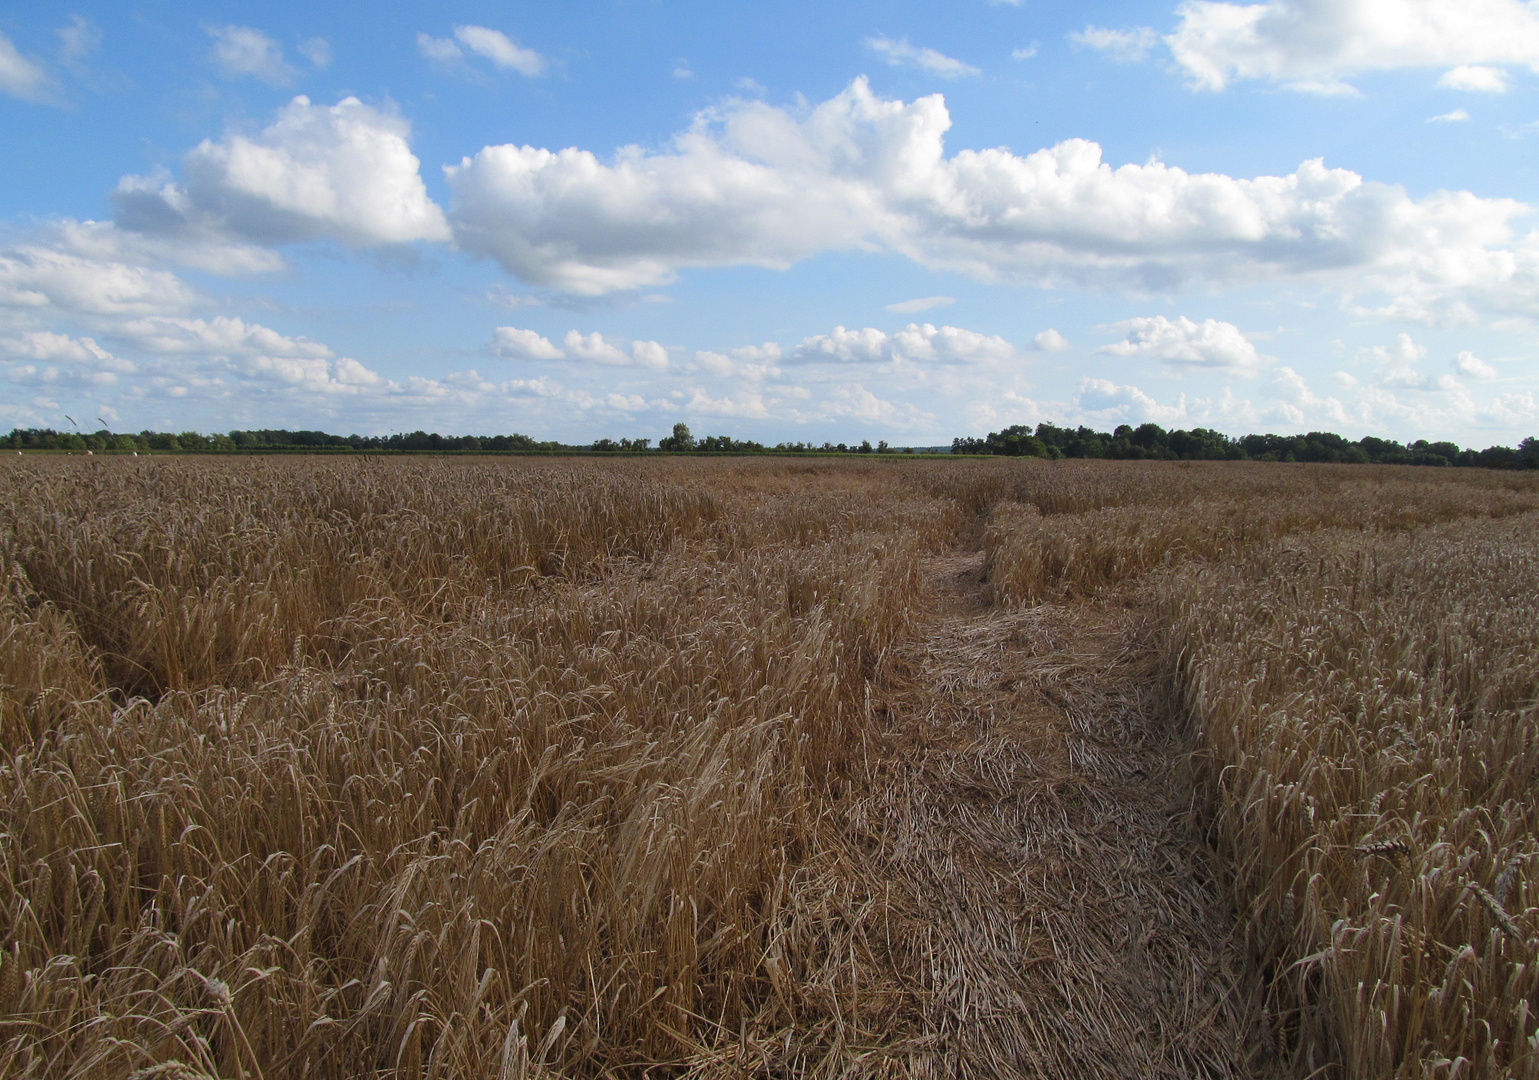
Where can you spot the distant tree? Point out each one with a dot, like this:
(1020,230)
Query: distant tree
(681,439)
(1016,441)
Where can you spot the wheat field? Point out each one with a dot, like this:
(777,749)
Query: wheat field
(502,768)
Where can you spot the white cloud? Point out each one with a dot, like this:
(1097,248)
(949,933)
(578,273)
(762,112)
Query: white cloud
(221,335)
(1112,403)
(1475,77)
(317,50)
(748,405)
(1024,54)
(752,362)
(1394,367)
(595,349)
(861,404)
(649,354)
(753,184)
(1210,343)
(682,70)
(511,343)
(103,241)
(1050,340)
(240,51)
(1316,44)
(500,49)
(901,54)
(1124,46)
(442,50)
(922,303)
(1457,116)
(714,363)
(78,39)
(314,375)
(1298,401)
(846,346)
(342,172)
(926,343)
(34,278)
(45,346)
(917,343)
(1467,363)
(19,76)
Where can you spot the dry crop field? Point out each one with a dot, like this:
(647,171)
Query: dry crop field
(340,768)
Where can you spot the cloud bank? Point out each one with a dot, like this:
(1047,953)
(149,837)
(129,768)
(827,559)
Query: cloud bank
(1315,45)
(756,185)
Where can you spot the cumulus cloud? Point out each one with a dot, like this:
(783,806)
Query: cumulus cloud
(47,347)
(1297,401)
(241,51)
(1124,46)
(1024,54)
(1395,367)
(103,241)
(511,343)
(1111,403)
(1050,340)
(921,303)
(314,375)
(901,54)
(858,403)
(714,363)
(1315,45)
(1467,363)
(752,362)
(917,343)
(342,172)
(595,349)
(1180,341)
(221,335)
(748,405)
(753,184)
(1456,116)
(1475,77)
(649,354)
(19,76)
(36,278)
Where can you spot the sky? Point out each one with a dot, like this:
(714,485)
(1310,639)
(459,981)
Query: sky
(780,221)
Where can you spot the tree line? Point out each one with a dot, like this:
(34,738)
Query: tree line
(1044,441)
(1204,444)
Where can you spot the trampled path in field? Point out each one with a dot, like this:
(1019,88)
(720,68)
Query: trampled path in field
(1030,817)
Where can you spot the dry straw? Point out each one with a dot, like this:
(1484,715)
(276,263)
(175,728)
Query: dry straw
(1355,652)
(454,768)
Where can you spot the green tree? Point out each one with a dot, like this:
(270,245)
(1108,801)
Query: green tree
(681,439)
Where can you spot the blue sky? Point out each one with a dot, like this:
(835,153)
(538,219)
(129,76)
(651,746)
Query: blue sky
(792,221)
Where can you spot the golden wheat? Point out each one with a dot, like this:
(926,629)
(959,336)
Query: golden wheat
(1355,651)
(416,768)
